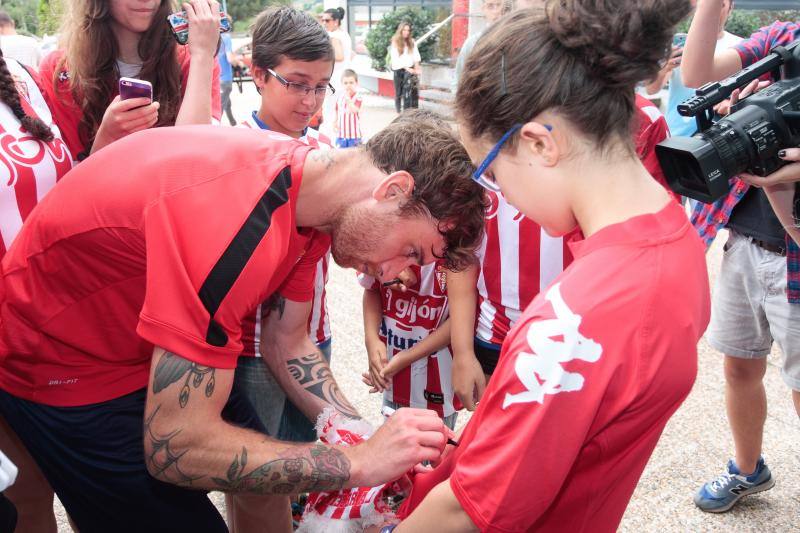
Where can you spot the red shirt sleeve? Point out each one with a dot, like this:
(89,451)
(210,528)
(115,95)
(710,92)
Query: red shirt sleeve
(299,284)
(66,113)
(208,267)
(541,435)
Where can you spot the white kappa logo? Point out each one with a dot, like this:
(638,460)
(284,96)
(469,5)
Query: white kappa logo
(541,372)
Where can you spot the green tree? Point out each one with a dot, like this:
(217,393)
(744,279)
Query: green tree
(380,36)
(24,14)
(745,22)
(244,9)
(50,13)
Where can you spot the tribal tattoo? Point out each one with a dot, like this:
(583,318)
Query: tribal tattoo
(162,462)
(299,469)
(172,368)
(314,374)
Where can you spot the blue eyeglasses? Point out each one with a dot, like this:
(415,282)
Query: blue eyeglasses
(479,176)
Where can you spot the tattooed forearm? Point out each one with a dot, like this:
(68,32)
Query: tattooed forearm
(172,368)
(299,469)
(314,374)
(161,460)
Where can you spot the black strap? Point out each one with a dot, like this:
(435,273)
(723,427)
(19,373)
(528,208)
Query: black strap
(235,257)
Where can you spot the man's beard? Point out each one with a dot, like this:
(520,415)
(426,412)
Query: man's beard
(357,235)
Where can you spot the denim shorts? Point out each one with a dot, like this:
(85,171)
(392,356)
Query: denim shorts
(279,416)
(750,310)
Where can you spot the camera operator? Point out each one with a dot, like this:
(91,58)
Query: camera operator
(755,301)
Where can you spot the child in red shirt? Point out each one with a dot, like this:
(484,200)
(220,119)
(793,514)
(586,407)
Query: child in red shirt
(603,356)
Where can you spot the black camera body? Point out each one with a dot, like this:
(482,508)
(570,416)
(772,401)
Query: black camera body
(747,140)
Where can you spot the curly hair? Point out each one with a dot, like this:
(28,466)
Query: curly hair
(9,96)
(424,144)
(91,53)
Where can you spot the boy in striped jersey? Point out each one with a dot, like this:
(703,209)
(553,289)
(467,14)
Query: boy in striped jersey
(407,336)
(348,112)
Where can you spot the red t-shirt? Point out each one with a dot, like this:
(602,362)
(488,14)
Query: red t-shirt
(518,258)
(586,382)
(172,250)
(68,114)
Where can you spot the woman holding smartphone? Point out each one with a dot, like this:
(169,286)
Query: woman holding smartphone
(104,40)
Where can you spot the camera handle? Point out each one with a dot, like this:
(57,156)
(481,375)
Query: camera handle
(701,105)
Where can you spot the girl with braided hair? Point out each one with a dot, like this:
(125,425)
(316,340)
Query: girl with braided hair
(33,158)
(603,356)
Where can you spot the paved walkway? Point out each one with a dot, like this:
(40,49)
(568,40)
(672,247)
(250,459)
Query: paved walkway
(696,443)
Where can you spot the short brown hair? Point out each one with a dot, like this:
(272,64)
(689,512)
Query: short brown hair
(579,58)
(349,73)
(423,144)
(285,33)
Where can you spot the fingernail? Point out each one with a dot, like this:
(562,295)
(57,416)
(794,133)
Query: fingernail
(782,153)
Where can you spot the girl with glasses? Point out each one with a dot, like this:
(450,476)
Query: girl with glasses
(604,355)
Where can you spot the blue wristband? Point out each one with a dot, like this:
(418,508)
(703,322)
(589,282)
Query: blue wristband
(388,529)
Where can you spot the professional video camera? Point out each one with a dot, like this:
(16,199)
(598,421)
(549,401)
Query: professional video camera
(747,140)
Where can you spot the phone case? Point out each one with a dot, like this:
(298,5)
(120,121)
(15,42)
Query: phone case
(133,88)
(180,25)
(679,40)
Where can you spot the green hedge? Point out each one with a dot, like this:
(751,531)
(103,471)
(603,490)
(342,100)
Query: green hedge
(380,36)
(745,23)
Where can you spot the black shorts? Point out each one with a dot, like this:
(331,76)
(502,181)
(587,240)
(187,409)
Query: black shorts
(93,457)
(488,355)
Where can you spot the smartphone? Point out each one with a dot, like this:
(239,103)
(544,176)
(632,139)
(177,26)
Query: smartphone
(679,40)
(133,88)
(180,25)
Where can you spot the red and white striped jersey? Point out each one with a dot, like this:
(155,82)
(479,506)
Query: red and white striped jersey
(319,326)
(518,259)
(409,317)
(349,121)
(29,168)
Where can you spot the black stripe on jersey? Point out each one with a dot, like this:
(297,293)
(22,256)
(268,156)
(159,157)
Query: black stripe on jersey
(238,253)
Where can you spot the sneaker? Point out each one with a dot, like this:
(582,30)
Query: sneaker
(721,494)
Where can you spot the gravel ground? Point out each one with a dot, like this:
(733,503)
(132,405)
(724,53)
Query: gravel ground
(694,448)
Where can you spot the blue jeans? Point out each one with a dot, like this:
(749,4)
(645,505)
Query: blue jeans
(295,426)
(279,416)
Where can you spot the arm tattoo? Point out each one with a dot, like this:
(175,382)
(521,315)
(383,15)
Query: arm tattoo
(277,303)
(314,374)
(172,368)
(299,469)
(162,462)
